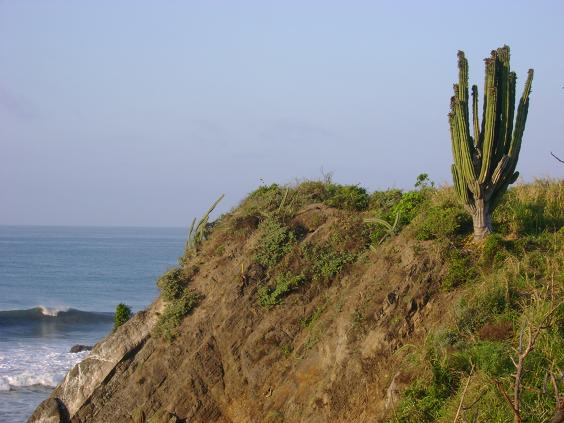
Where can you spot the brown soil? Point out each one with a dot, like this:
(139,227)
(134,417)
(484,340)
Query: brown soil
(235,361)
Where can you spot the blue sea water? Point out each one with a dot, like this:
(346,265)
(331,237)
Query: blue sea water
(59,287)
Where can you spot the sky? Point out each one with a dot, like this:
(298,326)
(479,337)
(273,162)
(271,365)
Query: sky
(142,113)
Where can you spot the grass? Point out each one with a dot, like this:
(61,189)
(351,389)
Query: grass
(503,286)
(497,290)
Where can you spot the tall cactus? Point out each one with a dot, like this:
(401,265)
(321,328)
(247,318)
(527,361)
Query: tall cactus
(484,165)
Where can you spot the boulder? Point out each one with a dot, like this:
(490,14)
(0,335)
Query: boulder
(79,348)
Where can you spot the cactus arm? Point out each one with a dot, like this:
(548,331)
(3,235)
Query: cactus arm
(465,145)
(461,188)
(489,120)
(502,86)
(476,119)
(522,112)
(512,77)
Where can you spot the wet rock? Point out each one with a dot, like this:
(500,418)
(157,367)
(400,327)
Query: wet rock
(52,410)
(79,348)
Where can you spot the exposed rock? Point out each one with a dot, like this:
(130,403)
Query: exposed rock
(234,361)
(79,348)
(393,392)
(52,410)
(84,378)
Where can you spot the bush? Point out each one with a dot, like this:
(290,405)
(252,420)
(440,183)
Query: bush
(348,197)
(408,206)
(174,313)
(493,249)
(171,284)
(442,221)
(492,357)
(472,313)
(276,242)
(326,262)
(269,297)
(384,201)
(460,271)
(122,315)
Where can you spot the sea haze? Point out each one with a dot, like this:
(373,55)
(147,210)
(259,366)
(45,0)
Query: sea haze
(59,287)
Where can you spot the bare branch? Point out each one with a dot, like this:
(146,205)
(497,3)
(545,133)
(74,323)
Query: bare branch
(556,157)
(463,394)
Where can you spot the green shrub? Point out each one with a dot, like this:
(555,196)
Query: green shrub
(424,182)
(408,206)
(313,191)
(460,271)
(174,313)
(442,221)
(276,242)
(122,315)
(493,249)
(473,312)
(311,320)
(269,297)
(423,399)
(171,284)
(384,201)
(326,262)
(348,197)
(263,201)
(492,357)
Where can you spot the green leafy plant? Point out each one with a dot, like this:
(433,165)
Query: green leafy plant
(198,232)
(122,315)
(285,283)
(172,284)
(390,229)
(276,242)
(348,197)
(174,313)
(442,221)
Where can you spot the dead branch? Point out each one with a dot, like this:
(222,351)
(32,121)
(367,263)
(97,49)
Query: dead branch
(556,157)
(522,352)
(463,394)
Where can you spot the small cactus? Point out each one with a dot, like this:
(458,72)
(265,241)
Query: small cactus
(484,165)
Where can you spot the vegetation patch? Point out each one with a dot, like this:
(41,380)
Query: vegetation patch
(172,284)
(174,313)
(283,284)
(325,262)
(461,270)
(122,315)
(347,197)
(277,240)
(446,220)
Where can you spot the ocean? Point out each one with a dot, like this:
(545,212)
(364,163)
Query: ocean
(59,287)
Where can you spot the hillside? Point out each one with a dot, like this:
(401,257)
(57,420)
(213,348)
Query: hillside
(292,307)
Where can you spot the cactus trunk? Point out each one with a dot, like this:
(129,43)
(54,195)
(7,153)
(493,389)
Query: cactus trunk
(484,165)
(482,219)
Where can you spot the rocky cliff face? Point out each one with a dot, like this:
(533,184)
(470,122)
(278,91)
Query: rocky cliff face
(324,354)
(300,321)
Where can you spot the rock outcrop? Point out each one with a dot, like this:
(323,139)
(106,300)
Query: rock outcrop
(326,354)
(80,348)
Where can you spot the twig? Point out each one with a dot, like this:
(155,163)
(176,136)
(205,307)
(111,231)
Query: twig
(556,157)
(463,394)
(522,353)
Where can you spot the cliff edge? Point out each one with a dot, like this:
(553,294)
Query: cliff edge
(299,306)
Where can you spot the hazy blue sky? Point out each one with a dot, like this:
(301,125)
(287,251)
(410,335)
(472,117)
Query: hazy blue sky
(143,112)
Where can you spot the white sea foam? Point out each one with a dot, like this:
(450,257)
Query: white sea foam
(22,366)
(52,311)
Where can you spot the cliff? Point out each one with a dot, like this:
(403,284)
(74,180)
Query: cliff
(301,311)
